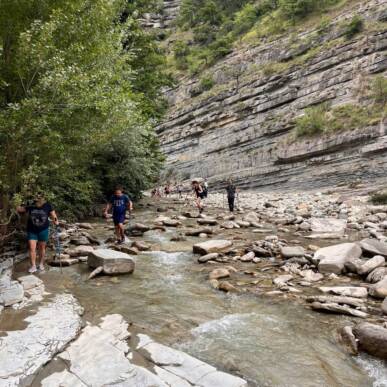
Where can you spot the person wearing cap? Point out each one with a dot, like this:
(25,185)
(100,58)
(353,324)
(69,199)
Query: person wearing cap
(38,225)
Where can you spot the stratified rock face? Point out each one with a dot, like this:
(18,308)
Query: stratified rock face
(24,352)
(168,14)
(241,129)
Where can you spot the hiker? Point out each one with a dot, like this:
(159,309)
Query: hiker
(199,195)
(119,202)
(180,190)
(38,226)
(205,188)
(231,191)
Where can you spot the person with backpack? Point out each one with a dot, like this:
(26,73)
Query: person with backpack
(119,203)
(199,195)
(38,228)
(231,193)
(205,188)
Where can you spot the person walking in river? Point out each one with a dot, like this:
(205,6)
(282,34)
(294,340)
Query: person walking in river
(199,195)
(38,226)
(119,203)
(231,192)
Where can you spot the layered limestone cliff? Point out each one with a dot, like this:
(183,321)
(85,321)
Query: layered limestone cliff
(164,17)
(242,128)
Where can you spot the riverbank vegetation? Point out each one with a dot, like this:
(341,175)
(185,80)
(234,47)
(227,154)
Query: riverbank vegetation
(79,95)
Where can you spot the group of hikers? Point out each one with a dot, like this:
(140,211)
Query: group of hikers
(40,211)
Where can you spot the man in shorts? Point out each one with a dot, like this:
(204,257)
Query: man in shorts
(119,203)
(38,229)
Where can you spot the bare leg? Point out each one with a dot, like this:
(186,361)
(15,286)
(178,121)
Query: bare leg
(32,251)
(118,232)
(42,253)
(121,231)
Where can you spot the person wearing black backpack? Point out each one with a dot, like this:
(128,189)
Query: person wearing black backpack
(231,192)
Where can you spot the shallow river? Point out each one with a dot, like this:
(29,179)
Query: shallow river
(267,341)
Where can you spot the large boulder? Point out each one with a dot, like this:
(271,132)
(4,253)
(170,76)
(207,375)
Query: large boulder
(377,275)
(11,294)
(80,251)
(328,226)
(211,246)
(332,259)
(48,331)
(372,339)
(111,261)
(379,290)
(373,246)
(251,217)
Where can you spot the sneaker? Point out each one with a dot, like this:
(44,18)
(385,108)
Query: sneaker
(32,269)
(41,267)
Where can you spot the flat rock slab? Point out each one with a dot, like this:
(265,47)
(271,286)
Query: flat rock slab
(374,246)
(208,257)
(371,264)
(336,308)
(384,306)
(328,225)
(347,291)
(332,259)
(372,339)
(292,251)
(30,281)
(24,352)
(211,246)
(11,294)
(198,231)
(112,262)
(80,251)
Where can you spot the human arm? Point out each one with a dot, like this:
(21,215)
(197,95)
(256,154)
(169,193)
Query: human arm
(21,209)
(130,204)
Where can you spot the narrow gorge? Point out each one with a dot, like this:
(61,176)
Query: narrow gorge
(244,126)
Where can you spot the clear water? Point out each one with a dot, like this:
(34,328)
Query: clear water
(267,341)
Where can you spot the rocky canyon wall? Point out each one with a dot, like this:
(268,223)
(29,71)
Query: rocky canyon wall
(242,127)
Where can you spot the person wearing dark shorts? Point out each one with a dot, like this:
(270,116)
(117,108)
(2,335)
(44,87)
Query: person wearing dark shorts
(231,191)
(119,203)
(38,229)
(199,195)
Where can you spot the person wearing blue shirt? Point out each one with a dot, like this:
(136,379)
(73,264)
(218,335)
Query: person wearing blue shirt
(119,203)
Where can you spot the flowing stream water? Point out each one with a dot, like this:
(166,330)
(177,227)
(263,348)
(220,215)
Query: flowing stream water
(267,341)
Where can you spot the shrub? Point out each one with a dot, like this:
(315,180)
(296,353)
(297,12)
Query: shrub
(296,9)
(313,122)
(379,90)
(245,19)
(353,27)
(379,198)
(207,83)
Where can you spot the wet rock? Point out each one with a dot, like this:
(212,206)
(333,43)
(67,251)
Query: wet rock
(24,352)
(203,235)
(139,227)
(282,280)
(379,290)
(292,251)
(336,308)
(311,276)
(79,241)
(384,306)
(198,231)
(30,281)
(229,225)
(351,301)
(141,246)
(326,227)
(349,339)
(219,273)
(211,246)
(354,265)
(372,339)
(374,246)
(377,275)
(171,222)
(371,264)
(208,257)
(11,294)
(86,226)
(227,287)
(348,291)
(80,250)
(207,221)
(242,223)
(333,258)
(112,262)
(251,217)
(248,257)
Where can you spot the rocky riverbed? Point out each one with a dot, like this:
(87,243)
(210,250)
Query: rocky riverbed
(299,271)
